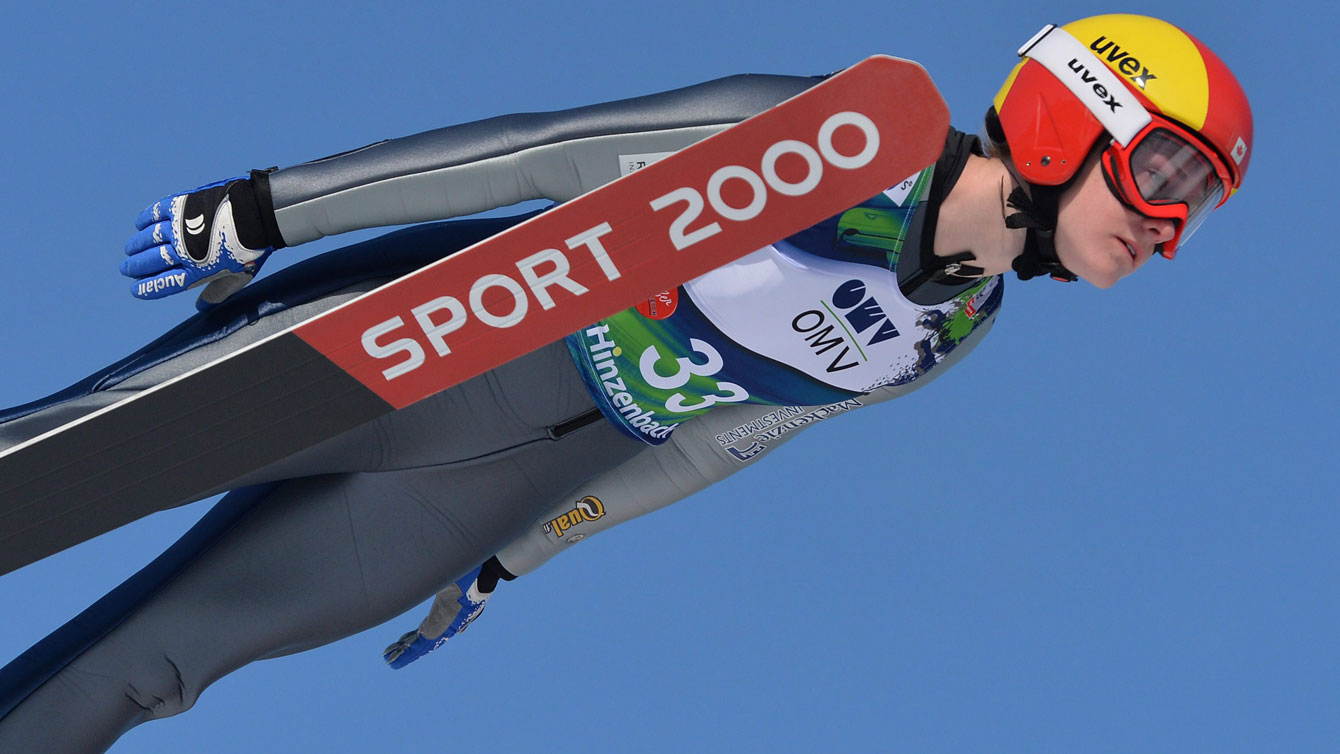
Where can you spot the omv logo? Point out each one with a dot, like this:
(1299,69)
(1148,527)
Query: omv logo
(842,328)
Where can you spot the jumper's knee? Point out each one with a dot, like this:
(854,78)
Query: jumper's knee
(159,689)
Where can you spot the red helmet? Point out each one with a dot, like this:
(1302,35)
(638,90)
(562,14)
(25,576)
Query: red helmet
(1176,123)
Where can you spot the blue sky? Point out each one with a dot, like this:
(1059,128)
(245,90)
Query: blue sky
(1111,529)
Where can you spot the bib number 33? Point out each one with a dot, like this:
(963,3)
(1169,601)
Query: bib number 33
(727,392)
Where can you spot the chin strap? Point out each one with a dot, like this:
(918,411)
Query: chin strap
(1038,215)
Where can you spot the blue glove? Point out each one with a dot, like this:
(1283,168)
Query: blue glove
(217,235)
(453,610)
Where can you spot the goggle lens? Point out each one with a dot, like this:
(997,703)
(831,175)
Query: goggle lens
(1167,170)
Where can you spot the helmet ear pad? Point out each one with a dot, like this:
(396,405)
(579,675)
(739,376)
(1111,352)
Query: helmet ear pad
(1049,131)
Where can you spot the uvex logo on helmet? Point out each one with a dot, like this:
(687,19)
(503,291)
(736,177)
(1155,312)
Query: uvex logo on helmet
(1087,77)
(1129,65)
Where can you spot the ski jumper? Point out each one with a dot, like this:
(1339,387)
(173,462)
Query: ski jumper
(364,526)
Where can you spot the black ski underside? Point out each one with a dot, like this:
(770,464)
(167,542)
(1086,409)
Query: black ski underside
(54,495)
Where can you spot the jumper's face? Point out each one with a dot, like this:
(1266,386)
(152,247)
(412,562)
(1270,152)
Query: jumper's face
(1097,237)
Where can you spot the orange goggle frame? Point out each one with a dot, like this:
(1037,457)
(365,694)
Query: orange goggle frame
(1165,173)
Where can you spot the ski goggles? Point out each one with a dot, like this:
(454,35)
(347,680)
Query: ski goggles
(1164,172)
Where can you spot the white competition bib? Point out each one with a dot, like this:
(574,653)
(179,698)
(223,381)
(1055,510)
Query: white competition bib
(843,323)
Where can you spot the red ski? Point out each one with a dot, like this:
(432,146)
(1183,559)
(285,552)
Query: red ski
(763,179)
